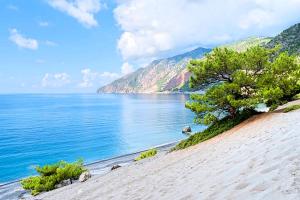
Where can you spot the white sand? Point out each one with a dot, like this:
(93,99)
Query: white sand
(259,159)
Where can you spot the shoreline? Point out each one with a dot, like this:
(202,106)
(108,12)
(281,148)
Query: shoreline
(104,166)
(240,163)
(13,189)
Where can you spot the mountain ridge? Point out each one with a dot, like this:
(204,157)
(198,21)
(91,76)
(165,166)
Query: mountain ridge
(289,40)
(163,75)
(170,74)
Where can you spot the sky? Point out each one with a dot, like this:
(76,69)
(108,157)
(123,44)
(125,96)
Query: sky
(76,46)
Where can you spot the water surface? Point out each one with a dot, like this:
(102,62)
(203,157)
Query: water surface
(42,129)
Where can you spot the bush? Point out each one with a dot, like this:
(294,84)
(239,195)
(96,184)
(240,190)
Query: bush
(51,175)
(47,170)
(296,97)
(70,171)
(215,129)
(291,108)
(146,154)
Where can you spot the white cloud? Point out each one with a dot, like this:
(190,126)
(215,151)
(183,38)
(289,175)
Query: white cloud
(43,23)
(40,61)
(82,10)
(23,85)
(126,68)
(50,43)
(22,41)
(151,27)
(91,78)
(12,7)
(55,80)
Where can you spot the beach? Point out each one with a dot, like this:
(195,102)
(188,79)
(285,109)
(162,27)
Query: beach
(88,126)
(13,190)
(150,100)
(258,159)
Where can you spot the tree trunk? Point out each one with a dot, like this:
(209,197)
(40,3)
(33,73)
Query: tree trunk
(232,112)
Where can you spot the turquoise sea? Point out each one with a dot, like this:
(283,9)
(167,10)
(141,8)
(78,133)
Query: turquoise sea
(37,129)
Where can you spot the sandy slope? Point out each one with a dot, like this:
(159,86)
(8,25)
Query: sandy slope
(259,159)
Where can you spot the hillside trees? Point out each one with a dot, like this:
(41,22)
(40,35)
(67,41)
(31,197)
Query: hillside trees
(241,80)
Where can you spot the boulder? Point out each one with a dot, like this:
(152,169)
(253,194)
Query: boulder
(63,183)
(187,129)
(115,167)
(85,176)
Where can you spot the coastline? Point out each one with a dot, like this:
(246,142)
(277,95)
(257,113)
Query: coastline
(257,159)
(13,190)
(241,163)
(92,127)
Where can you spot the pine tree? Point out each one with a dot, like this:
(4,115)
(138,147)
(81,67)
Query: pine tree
(241,80)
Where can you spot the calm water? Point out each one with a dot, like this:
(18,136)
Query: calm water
(42,129)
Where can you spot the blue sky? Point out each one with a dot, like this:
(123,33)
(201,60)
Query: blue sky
(75,46)
(64,46)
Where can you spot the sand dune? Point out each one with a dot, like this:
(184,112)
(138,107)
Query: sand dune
(259,159)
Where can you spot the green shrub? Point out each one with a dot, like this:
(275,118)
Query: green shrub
(70,170)
(291,108)
(146,154)
(296,97)
(51,175)
(47,170)
(215,129)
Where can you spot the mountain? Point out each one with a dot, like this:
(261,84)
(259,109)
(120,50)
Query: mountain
(170,74)
(164,75)
(289,40)
(243,45)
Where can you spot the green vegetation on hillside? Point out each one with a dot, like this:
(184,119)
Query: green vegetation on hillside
(146,154)
(217,128)
(243,45)
(291,108)
(240,81)
(296,97)
(289,40)
(51,175)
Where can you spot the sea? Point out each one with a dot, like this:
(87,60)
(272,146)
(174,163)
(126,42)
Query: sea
(39,129)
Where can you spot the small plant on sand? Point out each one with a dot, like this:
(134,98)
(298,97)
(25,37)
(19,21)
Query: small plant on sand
(146,154)
(291,108)
(51,175)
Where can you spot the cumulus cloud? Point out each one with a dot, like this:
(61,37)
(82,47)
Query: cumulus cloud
(91,78)
(40,61)
(50,43)
(126,68)
(22,41)
(43,23)
(151,27)
(82,10)
(12,7)
(55,80)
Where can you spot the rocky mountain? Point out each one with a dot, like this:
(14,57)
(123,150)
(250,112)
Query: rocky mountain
(243,45)
(289,40)
(170,74)
(164,75)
